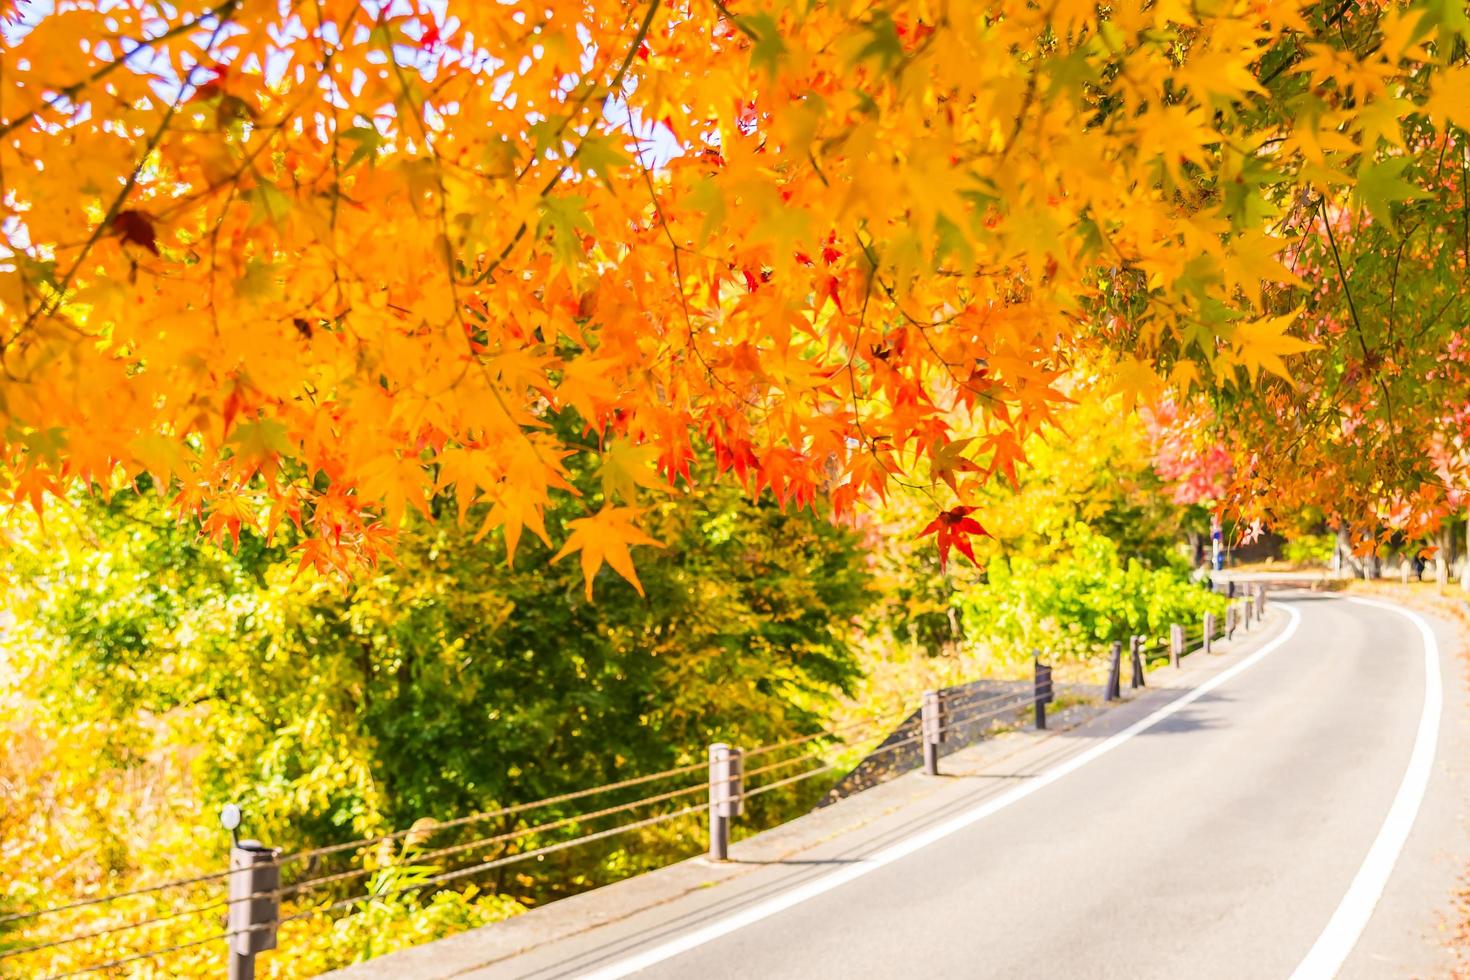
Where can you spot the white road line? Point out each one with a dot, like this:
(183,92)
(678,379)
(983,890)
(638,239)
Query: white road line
(895,852)
(1346,926)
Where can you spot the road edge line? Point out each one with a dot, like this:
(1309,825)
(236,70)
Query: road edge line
(1342,932)
(894,852)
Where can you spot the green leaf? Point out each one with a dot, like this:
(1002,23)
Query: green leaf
(368,141)
(267,203)
(563,217)
(1381,185)
(769,48)
(884,45)
(603,156)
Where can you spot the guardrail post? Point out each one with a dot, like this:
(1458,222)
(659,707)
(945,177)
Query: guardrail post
(1041,691)
(1176,644)
(1230,621)
(931,728)
(1209,632)
(726,796)
(1260,600)
(1135,661)
(1247,607)
(1115,667)
(254,905)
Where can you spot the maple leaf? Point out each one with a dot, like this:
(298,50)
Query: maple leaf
(398,482)
(952,528)
(1381,185)
(368,141)
(1451,99)
(161,456)
(1136,380)
(768,50)
(136,227)
(1261,344)
(626,467)
(605,537)
(947,458)
(260,444)
(228,513)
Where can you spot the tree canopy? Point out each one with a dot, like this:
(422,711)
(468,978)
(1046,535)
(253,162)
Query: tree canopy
(323,263)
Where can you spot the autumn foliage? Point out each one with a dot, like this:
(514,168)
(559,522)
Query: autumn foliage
(321,264)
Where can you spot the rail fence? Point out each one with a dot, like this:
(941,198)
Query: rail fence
(247,897)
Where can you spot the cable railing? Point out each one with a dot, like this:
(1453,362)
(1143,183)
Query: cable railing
(253,906)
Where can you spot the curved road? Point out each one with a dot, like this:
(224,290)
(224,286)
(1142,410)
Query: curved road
(1217,841)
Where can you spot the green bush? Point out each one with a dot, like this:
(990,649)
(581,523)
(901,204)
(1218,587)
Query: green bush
(1310,549)
(1076,603)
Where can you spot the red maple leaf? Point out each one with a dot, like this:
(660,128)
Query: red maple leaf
(952,528)
(136,227)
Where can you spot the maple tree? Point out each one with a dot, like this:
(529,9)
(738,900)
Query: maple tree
(326,263)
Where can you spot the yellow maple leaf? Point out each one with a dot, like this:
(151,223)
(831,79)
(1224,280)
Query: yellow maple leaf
(1185,376)
(626,467)
(1135,380)
(1450,101)
(398,481)
(605,538)
(1260,345)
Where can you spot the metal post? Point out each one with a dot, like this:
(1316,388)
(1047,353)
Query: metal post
(1115,667)
(254,905)
(1248,607)
(1209,632)
(1230,621)
(1135,661)
(1041,690)
(1176,644)
(931,728)
(1260,600)
(726,796)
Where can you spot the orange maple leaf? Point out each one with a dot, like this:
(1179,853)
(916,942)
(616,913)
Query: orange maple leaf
(606,537)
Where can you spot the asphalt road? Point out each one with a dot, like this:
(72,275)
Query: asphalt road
(1222,840)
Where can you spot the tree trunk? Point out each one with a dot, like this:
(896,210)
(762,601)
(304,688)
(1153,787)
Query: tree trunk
(1465,561)
(1442,556)
(1345,562)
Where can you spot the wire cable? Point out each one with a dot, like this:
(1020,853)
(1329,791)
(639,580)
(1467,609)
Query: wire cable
(500,862)
(149,956)
(767,787)
(435,880)
(882,749)
(984,701)
(773,766)
(314,883)
(364,842)
(111,930)
(827,767)
(491,814)
(103,899)
(850,726)
(992,713)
